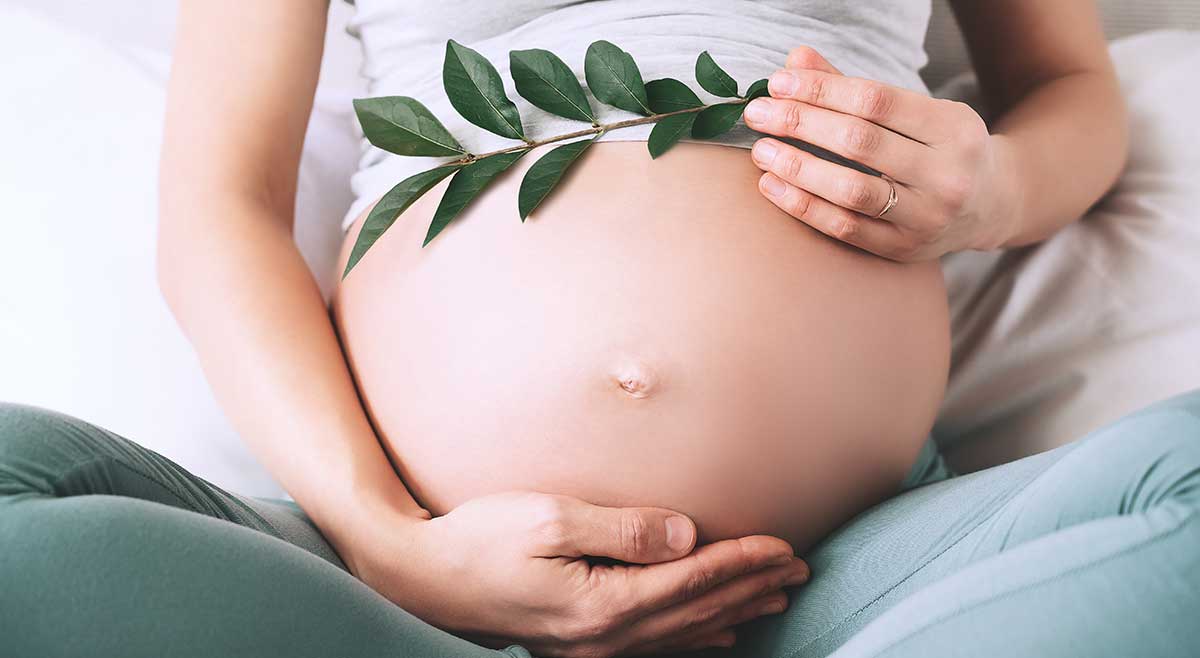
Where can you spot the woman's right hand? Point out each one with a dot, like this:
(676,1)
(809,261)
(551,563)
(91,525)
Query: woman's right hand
(509,568)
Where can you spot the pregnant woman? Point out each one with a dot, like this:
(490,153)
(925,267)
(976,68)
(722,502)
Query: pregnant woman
(686,405)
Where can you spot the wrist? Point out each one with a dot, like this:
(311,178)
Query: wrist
(375,529)
(361,514)
(1007,213)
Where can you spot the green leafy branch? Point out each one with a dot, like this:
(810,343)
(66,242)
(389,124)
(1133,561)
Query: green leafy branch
(402,125)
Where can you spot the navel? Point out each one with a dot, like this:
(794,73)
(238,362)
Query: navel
(635,378)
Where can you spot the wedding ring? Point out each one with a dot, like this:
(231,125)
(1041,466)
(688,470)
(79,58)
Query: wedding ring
(892,198)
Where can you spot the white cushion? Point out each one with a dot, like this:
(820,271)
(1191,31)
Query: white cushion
(1055,340)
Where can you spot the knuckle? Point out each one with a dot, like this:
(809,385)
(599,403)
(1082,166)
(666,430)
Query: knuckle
(800,205)
(635,534)
(589,650)
(906,251)
(966,112)
(816,90)
(857,194)
(548,517)
(847,228)
(790,166)
(875,102)
(699,581)
(702,617)
(860,140)
(955,190)
(793,118)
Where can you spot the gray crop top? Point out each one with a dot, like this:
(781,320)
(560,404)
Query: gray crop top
(404,42)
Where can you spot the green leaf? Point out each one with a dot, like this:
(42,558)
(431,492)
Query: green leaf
(669,131)
(404,126)
(669,95)
(396,201)
(758,88)
(716,119)
(545,80)
(614,78)
(466,185)
(477,92)
(713,78)
(546,172)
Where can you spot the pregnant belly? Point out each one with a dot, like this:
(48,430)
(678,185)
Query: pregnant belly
(656,333)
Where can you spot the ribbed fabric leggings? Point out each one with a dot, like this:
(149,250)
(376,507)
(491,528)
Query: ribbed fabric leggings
(109,550)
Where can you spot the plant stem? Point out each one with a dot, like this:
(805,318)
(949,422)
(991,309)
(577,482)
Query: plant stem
(596,128)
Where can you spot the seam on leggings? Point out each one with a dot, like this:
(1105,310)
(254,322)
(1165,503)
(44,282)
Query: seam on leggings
(127,467)
(1038,583)
(57,483)
(926,563)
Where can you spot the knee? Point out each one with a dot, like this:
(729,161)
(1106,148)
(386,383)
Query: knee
(23,428)
(1154,454)
(33,441)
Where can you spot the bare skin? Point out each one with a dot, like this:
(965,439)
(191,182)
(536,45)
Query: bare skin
(1057,142)
(657,333)
(237,109)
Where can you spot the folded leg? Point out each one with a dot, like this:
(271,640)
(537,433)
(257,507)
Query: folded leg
(110,550)
(1090,549)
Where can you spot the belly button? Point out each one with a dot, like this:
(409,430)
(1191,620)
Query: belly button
(635,379)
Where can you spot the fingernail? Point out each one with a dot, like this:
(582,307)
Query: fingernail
(780,560)
(764,152)
(782,83)
(799,577)
(773,186)
(679,533)
(772,607)
(757,110)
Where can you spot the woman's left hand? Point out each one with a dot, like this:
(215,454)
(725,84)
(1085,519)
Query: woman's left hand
(953,181)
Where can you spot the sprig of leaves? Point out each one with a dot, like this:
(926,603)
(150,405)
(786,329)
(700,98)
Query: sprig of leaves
(402,125)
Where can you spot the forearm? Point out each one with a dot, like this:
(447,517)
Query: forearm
(1066,143)
(245,298)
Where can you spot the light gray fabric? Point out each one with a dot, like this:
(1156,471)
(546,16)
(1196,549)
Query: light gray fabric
(404,45)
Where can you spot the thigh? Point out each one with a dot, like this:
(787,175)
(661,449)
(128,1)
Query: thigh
(1059,528)
(111,550)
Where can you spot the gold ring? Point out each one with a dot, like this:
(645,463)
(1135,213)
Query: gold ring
(892,198)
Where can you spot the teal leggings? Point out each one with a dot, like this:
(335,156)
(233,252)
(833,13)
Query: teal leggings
(1092,549)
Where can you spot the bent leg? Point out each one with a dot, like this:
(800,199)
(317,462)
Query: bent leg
(1089,549)
(111,550)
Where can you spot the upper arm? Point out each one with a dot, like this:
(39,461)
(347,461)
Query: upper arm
(1017,44)
(241,90)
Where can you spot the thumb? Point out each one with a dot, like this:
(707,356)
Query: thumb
(642,535)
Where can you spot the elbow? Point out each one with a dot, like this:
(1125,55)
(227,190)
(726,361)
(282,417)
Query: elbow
(1120,134)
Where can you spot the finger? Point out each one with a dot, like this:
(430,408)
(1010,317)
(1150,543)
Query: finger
(849,136)
(646,589)
(772,604)
(846,187)
(806,57)
(901,110)
(641,535)
(732,603)
(725,637)
(873,235)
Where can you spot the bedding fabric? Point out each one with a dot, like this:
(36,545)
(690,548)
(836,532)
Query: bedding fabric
(1057,339)
(1051,341)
